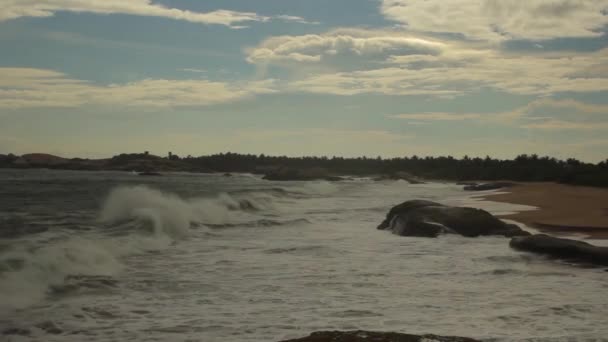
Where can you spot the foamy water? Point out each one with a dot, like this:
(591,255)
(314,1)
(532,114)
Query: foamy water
(116,257)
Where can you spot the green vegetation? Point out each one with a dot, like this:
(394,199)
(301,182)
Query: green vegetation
(522,168)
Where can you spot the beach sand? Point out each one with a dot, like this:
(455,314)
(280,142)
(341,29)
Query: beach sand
(562,209)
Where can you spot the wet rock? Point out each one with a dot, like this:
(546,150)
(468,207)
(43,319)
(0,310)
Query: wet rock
(560,248)
(370,336)
(429,219)
(15,331)
(488,186)
(245,205)
(49,327)
(334,179)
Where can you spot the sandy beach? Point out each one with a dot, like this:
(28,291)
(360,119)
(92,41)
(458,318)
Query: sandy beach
(562,209)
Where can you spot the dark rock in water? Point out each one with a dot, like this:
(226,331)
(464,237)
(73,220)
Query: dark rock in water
(488,186)
(149,173)
(50,328)
(370,336)
(15,331)
(466,183)
(559,248)
(246,205)
(334,179)
(429,219)
(227,174)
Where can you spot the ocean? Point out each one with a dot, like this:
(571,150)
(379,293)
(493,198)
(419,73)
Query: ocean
(112,256)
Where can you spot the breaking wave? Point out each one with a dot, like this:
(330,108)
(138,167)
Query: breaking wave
(135,220)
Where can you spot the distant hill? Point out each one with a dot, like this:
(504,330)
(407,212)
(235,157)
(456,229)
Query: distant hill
(41,159)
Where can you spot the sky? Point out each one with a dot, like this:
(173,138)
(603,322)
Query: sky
(390,78)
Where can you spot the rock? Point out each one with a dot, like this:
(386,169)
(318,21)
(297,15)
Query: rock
(371,336)
(15,331)
(559,248)
(244,204)
(466,183)
(227,174)
(488,186)
(50,328)
(334,179)
(429,219)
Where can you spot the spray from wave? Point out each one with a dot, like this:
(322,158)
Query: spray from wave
(28,272)
(136,219)
(168,214)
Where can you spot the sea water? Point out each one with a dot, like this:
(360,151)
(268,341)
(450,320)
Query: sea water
(111,256)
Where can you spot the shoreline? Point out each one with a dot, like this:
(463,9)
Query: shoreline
(561,209)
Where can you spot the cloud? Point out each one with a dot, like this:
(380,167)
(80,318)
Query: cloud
(497,20)
(459,72)
(12,9)
(392,62)
(437,116)
(325,134)
(198,71)
(296,19)
(27,88)
(541,114)
(562,125)
(340,44)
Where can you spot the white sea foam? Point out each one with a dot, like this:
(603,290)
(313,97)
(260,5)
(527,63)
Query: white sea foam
(28,269)
(171,215)
(321,188)
(29,272)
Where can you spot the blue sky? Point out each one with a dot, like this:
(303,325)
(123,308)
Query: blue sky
(93,78)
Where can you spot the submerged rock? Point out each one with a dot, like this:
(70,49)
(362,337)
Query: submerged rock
(559,248)
(430,219)
(16,331)
(371,336)
(50,328)
(487,186)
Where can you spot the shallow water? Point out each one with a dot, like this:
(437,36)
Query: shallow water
(115,257)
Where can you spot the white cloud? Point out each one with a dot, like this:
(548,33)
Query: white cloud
(562,125)
(197,71)
(296,19)
(356,61)
(341,44)
(12,9)
(454,72)
(541,114)
(497,20)
(438,116)
(26,88)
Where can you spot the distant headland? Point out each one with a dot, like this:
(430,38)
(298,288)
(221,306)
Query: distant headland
(524,168)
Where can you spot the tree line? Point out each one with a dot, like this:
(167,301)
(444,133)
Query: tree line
(522,168)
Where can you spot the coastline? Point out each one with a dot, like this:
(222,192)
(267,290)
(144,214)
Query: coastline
(562,209)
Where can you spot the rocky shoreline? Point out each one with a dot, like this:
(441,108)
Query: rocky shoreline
(421,218)
(372,336)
